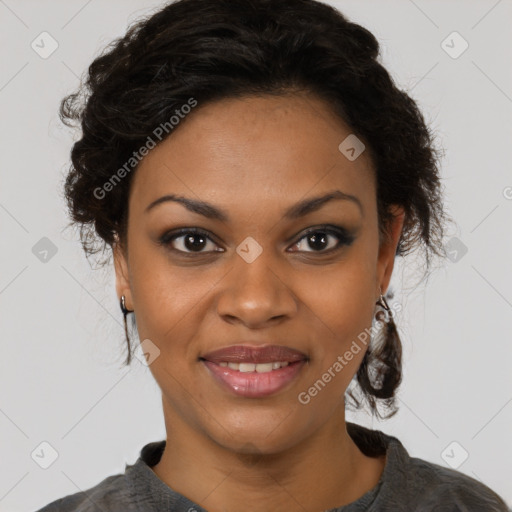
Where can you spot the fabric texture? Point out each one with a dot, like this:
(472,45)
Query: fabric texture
(407,484)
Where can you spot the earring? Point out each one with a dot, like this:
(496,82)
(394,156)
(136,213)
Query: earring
(381,370)
(125,311)
(383,303)
(122,303)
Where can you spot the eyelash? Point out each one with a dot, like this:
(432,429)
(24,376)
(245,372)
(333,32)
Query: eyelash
(344,238)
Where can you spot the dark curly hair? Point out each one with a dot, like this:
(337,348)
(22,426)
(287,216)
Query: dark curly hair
(212,50)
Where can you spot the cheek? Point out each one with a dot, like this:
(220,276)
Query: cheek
(342,298)
(166,298)
(341,306)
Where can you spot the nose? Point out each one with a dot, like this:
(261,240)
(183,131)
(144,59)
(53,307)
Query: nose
(256,294)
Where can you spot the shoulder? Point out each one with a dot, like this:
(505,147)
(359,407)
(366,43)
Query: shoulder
(123,492)
(112,494)
(432,487)
(440,488)
(410,483)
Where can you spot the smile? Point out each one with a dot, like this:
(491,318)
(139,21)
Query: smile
(252,380)
(252,367)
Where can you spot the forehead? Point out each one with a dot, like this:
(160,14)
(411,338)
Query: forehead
(235,151)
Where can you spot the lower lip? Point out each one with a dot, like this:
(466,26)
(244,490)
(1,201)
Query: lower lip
(254,384)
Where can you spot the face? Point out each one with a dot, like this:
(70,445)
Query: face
(259,265)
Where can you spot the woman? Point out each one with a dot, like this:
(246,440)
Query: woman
(255,171)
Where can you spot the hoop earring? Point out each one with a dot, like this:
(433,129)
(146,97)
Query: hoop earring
(122,303)
(384,360)
(392,350)
(382,302)
(125,310)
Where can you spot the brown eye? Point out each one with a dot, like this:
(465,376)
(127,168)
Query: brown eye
(323,240)
(189,241)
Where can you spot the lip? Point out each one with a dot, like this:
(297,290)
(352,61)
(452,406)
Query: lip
(255,354)
(254,384)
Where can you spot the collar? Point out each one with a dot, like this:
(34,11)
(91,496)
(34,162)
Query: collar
(150,494)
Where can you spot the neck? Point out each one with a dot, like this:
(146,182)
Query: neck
(326,470)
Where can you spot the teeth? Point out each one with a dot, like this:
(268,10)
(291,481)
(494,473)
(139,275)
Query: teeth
(252,367)
(263,367)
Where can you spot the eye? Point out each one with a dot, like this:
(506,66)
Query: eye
(319,239)
(322,239)
(188,241)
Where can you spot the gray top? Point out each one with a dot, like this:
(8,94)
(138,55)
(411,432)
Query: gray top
(407,484)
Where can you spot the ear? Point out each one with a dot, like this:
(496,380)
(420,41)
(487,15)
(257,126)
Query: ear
(122,275)
(387,249)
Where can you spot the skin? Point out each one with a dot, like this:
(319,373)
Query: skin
(254,157)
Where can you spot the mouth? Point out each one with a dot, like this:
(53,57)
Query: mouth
(254,367)
(254,372)
(255,354)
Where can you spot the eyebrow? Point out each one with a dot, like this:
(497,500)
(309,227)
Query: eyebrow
(296,211)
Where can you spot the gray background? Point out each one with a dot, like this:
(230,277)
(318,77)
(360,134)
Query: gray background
(61,380)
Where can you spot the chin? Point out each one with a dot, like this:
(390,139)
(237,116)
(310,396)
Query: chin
(257,438)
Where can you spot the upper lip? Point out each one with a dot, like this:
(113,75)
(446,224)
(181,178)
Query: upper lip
(254,354)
